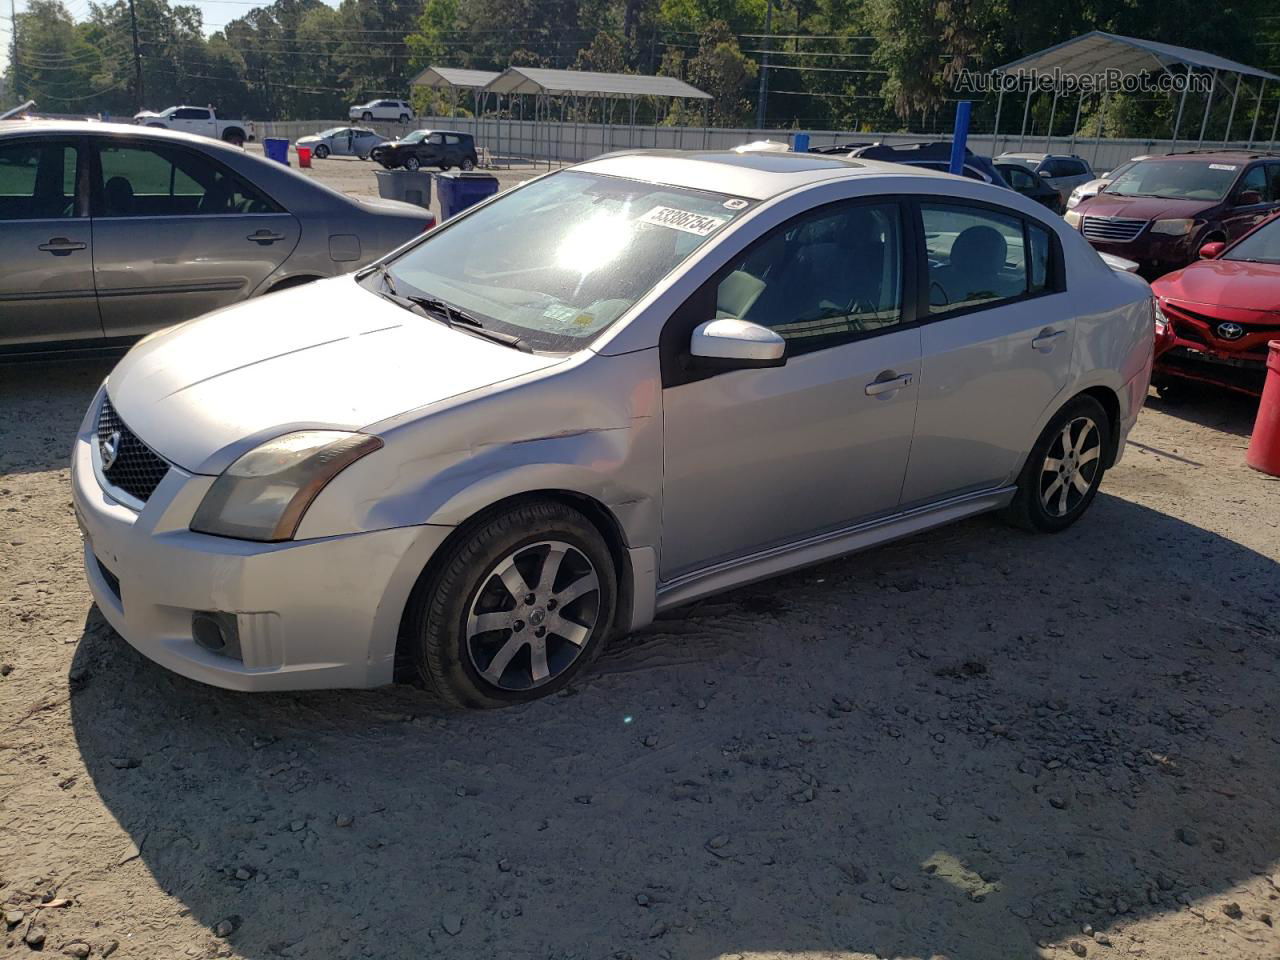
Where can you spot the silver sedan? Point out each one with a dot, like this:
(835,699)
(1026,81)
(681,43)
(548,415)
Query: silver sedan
(108,232)
(342,142)
(608,392)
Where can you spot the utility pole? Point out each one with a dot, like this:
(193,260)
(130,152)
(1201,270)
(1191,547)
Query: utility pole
(763,97)
(137,57)
(13,71)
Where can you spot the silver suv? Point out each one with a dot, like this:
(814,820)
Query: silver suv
(608,392)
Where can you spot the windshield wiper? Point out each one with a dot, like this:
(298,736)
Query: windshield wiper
(455,317)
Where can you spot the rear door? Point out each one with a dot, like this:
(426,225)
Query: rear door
(996,346)
(177,234)
(46,243)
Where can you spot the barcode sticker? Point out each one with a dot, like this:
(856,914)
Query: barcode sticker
(698,224)
(1222,166)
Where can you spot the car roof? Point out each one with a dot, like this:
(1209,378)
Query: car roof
(1210,156)
(89,127)
(756,175)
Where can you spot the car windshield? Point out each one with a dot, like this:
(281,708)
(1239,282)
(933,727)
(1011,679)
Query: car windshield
(559,260)
(1261,246)
(414,137)
(1176,180)
(331,132)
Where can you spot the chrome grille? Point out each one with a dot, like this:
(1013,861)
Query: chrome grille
(137,469)
(1111,229)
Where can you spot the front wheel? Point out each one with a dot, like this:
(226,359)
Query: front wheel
(411,163)
(1062,475)
(404,118)
(366,116)
(517,607)
(321,151)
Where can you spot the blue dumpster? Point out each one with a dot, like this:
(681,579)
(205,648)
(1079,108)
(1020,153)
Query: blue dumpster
(457,191)
(276,148)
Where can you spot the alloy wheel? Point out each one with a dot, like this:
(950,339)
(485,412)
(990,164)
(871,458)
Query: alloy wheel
(532,615)
(1071,467)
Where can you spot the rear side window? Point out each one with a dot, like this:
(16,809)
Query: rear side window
(978,257)
(158,181)
(37,181)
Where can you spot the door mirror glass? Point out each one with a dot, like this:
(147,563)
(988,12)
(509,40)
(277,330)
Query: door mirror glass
(1211,250)
(729,343)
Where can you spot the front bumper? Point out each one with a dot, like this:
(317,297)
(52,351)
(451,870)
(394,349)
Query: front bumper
(311,614)
(1155,254)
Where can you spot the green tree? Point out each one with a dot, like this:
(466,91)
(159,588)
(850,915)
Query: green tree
(721,69)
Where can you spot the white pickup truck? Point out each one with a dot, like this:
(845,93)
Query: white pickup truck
(201,120)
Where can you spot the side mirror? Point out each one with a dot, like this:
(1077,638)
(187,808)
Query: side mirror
(1211,250)
(730,344)
(1247,198)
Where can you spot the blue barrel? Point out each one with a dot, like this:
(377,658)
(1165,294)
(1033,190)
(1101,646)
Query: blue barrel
(457,191)
(276,148)
(800,143)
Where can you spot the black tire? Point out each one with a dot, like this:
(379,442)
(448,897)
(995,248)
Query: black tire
(446,167)
(467,164)
(366,116)
(449,661)
(411,163)
(320,152)
(364,156)
(404,118)
(1049,499)
(233,137)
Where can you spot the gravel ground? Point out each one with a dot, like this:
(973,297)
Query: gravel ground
(976,743)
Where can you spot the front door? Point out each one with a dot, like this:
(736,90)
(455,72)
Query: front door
(46,244)
(756,458)
(996,349)
(177,234)
(1250,202)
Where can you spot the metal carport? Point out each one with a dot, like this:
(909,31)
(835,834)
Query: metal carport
(1098,52)
(455,80)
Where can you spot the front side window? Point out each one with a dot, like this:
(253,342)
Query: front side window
(975,255)
(163,182)
(559,260)
(191,113)
(824,278)
(1255,181)
(1261,246)
(37,181)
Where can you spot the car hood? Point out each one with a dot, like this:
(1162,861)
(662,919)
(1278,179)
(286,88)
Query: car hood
(328,354)
(314,138)
(146,115)
(1142,208)
(1232,283)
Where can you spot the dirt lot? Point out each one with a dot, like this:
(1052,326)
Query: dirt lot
(976,743)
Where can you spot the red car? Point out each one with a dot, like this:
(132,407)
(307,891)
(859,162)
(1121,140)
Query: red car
(1215,317)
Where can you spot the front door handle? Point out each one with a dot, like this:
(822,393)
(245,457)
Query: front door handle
(878,387)
(264,237)
(61,246)
(1046,340)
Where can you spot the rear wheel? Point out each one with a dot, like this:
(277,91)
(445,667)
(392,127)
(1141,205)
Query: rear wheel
(1062,475)
(518,606)
(366,116)
(404,118)
(233,137)
(445,167)
(468,164)
(411,162)
(320,152)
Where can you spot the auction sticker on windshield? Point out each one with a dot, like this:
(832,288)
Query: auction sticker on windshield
(698,224)
(1222,166)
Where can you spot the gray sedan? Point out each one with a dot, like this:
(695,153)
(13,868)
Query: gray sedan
(342,142)
(112,231)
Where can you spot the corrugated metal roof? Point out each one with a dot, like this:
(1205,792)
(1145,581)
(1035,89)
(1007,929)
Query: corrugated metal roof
(1097,51)
(588,83)
(443,78)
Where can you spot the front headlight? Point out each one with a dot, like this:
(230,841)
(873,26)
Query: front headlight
(1072,218)
(1162,322)
(263,495)
(1173,228)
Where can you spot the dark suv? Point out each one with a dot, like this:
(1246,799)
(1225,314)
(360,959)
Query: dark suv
(931,154)
(1162,210)
(428,148)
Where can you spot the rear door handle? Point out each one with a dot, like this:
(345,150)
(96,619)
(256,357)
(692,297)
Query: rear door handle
(1047,339)
(265,237)
(877,387)
(61,246)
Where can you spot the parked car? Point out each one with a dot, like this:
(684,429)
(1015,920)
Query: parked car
(1162,210)
(929,154)
(1215,317)
(342,142)
(1063,173)
(599,395)
(1091,188)
(398,110)
(203,121)
(1028,183)
(110,231)
(428,148)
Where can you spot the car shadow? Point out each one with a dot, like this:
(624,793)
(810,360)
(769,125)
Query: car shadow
(963,743)
(54,393)
(1209,406)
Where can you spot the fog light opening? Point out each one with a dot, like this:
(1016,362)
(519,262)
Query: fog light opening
(216,632)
